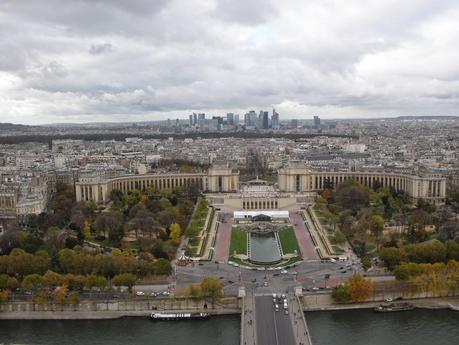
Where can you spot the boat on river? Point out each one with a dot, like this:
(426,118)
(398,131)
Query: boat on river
(453,307)
(178,316)
(391,307)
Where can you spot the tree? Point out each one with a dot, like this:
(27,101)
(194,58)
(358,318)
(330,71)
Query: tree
(193,292)
(4,294)
(340,295)
(449,231)
(105,222)
(377,226)
(52,279)
(74,299)
(87,230)
(358,288)
(352,196)
(162,267)
(32,282)
(60,296)
(339,237)
(124,279)
(175,232)
(212,288)
(366,262)
(392,257)
(92,281)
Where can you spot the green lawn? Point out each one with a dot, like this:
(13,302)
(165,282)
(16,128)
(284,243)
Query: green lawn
(238,242)
(288,241)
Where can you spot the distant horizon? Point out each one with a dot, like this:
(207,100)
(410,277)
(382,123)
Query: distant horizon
(241,119)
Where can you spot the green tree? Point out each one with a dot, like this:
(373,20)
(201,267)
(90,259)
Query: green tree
(340,295)
(52,279)
(366,262)
(87,229)
(212,288)
(32,282)
(124,279)
(392,257)
(175,232)
(377,226)
(162,267)
(193,292)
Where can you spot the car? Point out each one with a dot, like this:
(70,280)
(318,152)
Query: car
(166,293)
(274,300)
(343,271)
(274,295)
(315,288)
(140,293)
(388,299)
(286,312)
(265,283)
(285,306)
(276,307)
(200,264)
(284,271)
(230,282)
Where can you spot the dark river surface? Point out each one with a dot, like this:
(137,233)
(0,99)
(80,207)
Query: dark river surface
(356,327)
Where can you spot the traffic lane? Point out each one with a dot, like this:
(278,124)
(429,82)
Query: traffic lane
(265,321)
(284,328)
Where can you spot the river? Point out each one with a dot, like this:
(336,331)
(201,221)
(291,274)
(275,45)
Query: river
(354,327)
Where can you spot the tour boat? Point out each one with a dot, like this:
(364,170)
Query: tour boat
(178,316)
(390,307)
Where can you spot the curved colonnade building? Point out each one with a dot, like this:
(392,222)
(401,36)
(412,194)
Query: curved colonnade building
(292,179)
(215,180)
(297,178)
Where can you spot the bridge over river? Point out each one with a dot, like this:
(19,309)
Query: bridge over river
(262,325)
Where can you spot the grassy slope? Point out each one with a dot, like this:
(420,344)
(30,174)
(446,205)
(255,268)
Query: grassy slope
(238,242)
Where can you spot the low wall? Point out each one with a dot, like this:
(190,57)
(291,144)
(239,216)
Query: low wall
(114,308)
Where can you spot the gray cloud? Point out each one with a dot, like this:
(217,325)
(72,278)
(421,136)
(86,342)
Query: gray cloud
(85,60)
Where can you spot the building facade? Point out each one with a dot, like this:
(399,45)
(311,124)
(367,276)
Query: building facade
(298,178)
(218,179)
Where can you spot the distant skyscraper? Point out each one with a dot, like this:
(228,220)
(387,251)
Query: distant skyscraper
(191,120)
(275,119)
(316,121)
(195,119)
(250,118)
(236,119)
(201,116)
(230,119)
(264,119)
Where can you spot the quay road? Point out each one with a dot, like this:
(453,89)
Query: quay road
(261,324)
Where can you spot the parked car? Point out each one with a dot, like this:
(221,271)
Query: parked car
(140,293)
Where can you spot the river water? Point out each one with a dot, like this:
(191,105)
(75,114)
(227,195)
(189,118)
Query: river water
(356,327)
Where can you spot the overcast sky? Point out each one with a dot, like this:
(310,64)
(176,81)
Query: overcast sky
(136,60)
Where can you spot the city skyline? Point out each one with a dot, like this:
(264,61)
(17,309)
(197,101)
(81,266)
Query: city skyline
(109,62)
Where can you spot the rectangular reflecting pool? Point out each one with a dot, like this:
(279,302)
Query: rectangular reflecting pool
(264,248)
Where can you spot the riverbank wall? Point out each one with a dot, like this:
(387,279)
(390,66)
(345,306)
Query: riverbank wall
(320,302)
(115,309)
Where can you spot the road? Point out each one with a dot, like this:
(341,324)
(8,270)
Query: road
(304,238)
(273,328)
(223,239)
